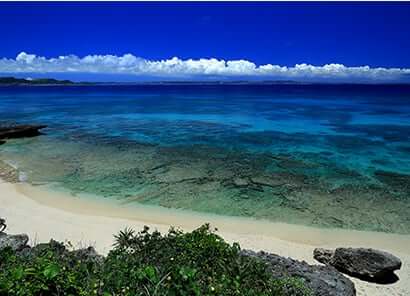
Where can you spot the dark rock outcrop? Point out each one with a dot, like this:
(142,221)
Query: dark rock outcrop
(87,255)
(20,131)
(323,255)
(17,242)
(323,280)
(366,264)
(39,249)
(3,225)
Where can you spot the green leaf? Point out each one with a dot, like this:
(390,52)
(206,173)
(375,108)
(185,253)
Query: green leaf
(51,271)
(150,273)
(18,273)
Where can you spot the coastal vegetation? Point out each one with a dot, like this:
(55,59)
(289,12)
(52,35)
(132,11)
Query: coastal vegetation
(37,81)
(144,263)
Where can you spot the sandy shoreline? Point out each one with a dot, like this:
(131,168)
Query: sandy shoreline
(43,215)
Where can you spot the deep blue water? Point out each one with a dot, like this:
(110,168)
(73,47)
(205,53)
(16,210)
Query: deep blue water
(333,135)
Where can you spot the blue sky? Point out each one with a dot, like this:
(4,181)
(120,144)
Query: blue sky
(278,34)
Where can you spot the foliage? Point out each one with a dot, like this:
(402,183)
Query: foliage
(39,81)
(144,263)
(46,273)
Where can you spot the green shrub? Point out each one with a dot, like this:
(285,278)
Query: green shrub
(46,273)
(195,263)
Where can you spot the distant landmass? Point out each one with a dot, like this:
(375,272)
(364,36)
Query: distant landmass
(52,81)
(10,81)
(27,81)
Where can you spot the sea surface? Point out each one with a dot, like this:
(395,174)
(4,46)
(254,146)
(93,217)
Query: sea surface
(321,155)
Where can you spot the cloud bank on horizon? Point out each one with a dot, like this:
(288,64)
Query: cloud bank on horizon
(192,69)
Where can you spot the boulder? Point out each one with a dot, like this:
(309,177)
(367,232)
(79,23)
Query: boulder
(20,131)
(322,280)
(17,242)
(366,264)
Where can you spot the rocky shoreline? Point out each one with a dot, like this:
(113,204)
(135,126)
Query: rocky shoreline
(19,131)
(324,280)
(363,263)
(7,172)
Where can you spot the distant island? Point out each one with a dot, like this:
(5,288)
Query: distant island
(13,81)
(52,81)
(27,81)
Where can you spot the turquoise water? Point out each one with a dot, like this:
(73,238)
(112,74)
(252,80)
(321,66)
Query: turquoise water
(324,155)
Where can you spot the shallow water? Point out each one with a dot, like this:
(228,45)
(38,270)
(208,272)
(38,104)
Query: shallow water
(335,156)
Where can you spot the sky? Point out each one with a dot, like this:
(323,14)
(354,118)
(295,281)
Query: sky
(198,41)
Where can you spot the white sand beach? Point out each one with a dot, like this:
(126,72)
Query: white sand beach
(44,214)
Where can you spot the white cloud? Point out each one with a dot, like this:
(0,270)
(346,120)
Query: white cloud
(177,68)
(25,58)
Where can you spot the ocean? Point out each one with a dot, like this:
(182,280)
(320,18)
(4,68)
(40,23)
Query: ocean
(319,155)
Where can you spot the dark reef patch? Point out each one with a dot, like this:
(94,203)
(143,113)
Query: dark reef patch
(404,149)
(399,182)
(343,142)
(389,132)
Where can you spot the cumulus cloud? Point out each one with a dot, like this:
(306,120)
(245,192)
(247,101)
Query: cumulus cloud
(206,67)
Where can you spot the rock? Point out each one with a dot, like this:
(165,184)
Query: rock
(240,182)
(88,254)
(323,255)
(322,280)
(3,225)
(17,242)
(54,246)
(269,181)
(8,173)
(20,131)
(366,264)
